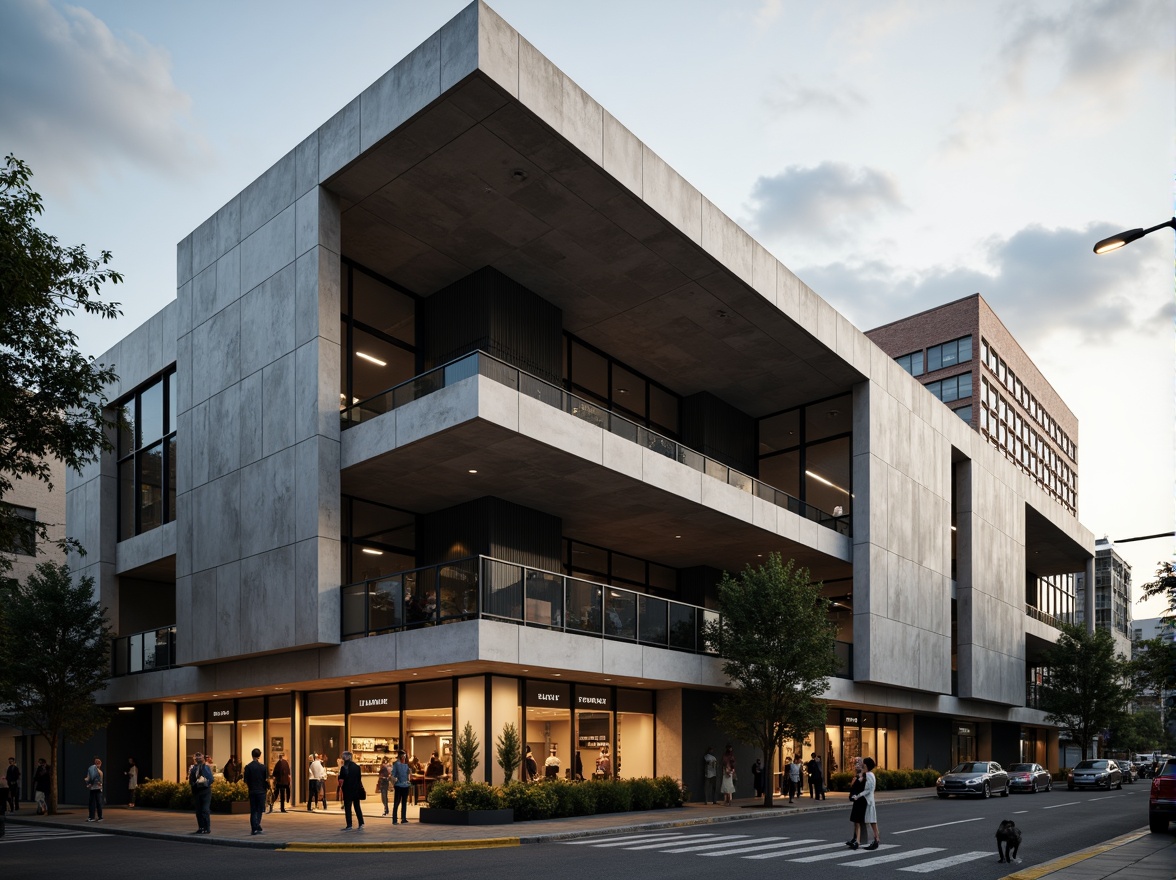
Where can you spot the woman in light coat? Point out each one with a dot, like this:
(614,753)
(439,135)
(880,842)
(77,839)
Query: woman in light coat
(871,817)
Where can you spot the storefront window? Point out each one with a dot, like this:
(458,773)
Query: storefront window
(428,723)
(963,743)
(375,728)
(634,746)
(594,746)
(191,735)
(549,726)
(324,733)
(280,731)
(250,728)
(219,734)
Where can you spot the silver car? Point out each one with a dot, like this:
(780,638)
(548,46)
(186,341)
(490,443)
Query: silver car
(976,778)
(1097,773)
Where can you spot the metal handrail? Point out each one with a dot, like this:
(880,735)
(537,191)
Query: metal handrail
(483,587)
(481,363)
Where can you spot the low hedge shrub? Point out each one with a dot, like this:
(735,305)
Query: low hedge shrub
(558,798)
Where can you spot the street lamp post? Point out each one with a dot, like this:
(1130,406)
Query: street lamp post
(1117,241)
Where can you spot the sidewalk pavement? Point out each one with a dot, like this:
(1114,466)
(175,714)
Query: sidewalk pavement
(1138,855)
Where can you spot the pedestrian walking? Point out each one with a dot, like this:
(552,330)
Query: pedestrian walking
(200,779)
(757,778)
(12,774)
(132,774)
(351,786)
(857,812)
(93,780)
(794,785)
(257,781)
(816,775)
(710,777)
(871,816)
(384,782)
(728,785)
(531,766)
(318,779)
(281,776)
(42,780)
(401,781)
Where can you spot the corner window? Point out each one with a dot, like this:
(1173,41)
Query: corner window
(147,457)
(912,363)
(24,539)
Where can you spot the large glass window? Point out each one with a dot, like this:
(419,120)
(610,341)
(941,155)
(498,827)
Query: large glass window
(378,540)
(428,725)
(949,354)
(603,566)
(592,374)
(807,452)
(912,363)
(147,457)
(24,541)
(378,332)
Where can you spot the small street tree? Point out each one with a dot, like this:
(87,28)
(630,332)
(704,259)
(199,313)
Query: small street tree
(467,752)
(1086,690)
(54,656)
(51,395)
(777,644)
(509,749)
(1164,585)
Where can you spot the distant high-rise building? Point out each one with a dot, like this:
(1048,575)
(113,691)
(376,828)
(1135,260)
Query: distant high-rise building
(1112,595)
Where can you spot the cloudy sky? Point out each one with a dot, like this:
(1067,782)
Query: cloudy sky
(895,154)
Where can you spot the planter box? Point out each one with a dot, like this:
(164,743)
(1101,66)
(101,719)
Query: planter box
(434,816)
(232,807)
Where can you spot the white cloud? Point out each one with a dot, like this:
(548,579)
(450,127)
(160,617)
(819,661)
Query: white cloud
(824,202)
(77,100)
(790,95)
(1041,282)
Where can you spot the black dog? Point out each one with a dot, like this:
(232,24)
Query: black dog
(1008,841)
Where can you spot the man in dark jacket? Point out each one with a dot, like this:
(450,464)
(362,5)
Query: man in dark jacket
(13,775)
(281,783)
(257,781)
(351,782)
(200,778)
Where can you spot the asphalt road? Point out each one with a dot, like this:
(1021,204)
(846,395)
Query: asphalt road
(948,839)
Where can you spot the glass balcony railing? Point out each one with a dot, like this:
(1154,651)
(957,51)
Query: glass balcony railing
(1046,618)
(480,363)
(481,587)
(143,652)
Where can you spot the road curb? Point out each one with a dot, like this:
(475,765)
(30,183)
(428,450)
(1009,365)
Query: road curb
(403,845)
(1074,858)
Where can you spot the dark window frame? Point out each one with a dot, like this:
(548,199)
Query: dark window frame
(139,445)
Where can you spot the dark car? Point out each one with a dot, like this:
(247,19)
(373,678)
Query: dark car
(978,778)
(1029,777)
(1161,805)
(1097,773)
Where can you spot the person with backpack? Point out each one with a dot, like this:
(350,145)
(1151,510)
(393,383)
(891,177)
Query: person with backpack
(93,781)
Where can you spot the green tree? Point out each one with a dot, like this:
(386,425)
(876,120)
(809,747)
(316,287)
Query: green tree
(1153,668)
(51,396)
(1163,585)
(1141,731)
(510,750)
(777,644)
(54,656)
(1086,690)
(467,752)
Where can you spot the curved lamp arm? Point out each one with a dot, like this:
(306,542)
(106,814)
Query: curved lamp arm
(1117,241)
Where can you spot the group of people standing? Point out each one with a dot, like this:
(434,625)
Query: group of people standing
(863,811)
(719,777)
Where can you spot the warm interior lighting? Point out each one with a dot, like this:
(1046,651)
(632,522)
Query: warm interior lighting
(371,359)
(370,552)
(473,470)
(126,708)
(821,479)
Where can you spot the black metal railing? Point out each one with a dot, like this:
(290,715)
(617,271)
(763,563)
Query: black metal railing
(1037,614)
(481,587)
(143,652)
(480,363)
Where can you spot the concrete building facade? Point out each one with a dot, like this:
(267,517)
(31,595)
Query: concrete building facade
(461,410)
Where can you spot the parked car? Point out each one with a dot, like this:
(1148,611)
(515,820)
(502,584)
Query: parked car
(978,778)
(1097,773)
(1029,777)
(1161,804)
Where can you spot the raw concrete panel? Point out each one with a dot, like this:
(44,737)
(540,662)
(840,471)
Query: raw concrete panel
(267,503)
(268,196)
(267,582)
(458,47)
(216,354)
(200,628)
(251,401)
(583,121)
(317,296)
(665,473)
(139,550)
(317,489)
(317,222)
(268,249)
(223,437)
(621,153)
(559,429)
(267,321)
(277,405)
(229,612)
(228,286)
(668,193)
(204,245)
(339,140)
(184,261)
(404,90)
(306,164)
(216,523)
(498,404)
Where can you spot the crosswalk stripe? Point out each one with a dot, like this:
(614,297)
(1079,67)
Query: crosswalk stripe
(614,841)
(746,849)
(669,838)
(848,852)
(938,864)
(898,856)
(56,835)
(728,848)
(710,844)
(786,853)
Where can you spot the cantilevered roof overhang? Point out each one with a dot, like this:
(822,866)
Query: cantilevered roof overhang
(476,151)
